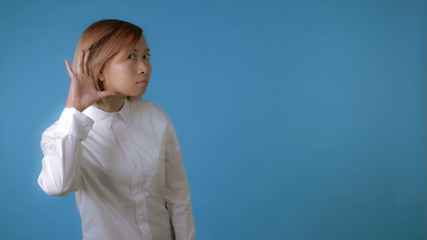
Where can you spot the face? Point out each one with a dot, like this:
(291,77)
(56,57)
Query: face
(128,73)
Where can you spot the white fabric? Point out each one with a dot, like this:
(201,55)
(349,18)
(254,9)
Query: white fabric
(126,170)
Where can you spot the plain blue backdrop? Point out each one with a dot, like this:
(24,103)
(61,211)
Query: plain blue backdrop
(299,120)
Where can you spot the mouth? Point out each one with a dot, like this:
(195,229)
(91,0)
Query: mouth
(142,82)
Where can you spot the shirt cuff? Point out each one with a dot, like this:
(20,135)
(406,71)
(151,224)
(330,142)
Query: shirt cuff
(73,122)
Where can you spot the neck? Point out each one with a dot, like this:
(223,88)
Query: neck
(111,104)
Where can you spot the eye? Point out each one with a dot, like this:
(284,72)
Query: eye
(132,56)
(147,56)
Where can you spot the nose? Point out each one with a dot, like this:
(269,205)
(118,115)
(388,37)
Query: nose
(142,67)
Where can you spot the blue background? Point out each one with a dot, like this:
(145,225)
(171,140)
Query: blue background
(297,120)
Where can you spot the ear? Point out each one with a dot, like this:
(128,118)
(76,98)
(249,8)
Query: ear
(101,76)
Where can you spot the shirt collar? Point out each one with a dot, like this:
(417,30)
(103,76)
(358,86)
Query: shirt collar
(105,119)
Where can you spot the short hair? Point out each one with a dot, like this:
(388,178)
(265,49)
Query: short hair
(105,39)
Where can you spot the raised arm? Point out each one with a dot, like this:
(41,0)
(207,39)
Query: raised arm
(62,150)
(61,143)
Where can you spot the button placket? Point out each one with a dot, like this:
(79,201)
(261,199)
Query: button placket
(136,176)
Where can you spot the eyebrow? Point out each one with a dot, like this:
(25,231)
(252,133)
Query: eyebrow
(136,50)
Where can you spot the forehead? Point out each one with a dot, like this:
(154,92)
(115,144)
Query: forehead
(141,45)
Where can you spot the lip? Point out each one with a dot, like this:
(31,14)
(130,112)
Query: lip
(142,82)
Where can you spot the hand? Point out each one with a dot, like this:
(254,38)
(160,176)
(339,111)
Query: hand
(83,92)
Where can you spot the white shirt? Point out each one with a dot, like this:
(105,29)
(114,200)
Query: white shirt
(126,170)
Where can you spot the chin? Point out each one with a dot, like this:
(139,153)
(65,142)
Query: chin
(137,94)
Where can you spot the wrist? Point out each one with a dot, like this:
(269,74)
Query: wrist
(72,105)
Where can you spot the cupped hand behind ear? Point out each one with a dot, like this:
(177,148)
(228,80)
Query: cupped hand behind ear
(82,92)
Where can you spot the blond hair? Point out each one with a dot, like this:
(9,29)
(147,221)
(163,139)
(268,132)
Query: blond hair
(105,39)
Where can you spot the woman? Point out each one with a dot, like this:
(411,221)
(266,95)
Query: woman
(118,153)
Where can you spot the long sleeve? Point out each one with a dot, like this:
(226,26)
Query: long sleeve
(177,191)
(62,150)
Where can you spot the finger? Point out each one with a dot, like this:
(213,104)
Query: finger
(80,62)
(85,63)
(69,70)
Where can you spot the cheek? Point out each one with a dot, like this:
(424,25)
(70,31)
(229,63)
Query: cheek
(119,70)
(120,73)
